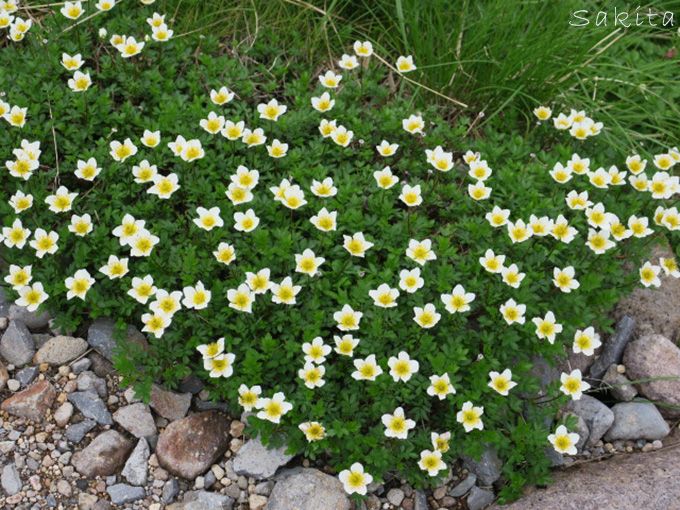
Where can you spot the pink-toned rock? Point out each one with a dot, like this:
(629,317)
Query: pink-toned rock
(4,375)
(169,404)
(188,447)
(32,403)
(646,481)
(104,456)
(655,357)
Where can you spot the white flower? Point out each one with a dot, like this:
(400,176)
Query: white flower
(208,219)
(405,64)
(324,220)
(325,188)
(196,297)
(458,300)
(546,327)
(78,284)
(385,178)
(323,103)
(512,312)
(241,298)
(273,409)
(19,277)
(363,48)
(222,96)
(221,365)
(32,296)
(366,369)
(649,275)
(355,479)
(470,417)
(440,386)
(87,170)
(420,251)
(502,382)
(285,292)
(115,267)
(402,367)
(259,282)
(330,80)
(44,243)
(410,281)
(312,375)
(308,263)
(431,461)
(142,289)
(397,425)
(246,222)
(271,110)
(316,351)
(356,244)
(347,319)
(61,201)
(573,385)
(586,341)
(427,316)
(411,195)
(248,397)
(384,296)
(563,441)
(564,279)
(345,344)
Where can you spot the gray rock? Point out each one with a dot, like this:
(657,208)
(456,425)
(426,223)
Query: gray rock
(209,480)
(257,461)
(395,496)
(40,339)
(654,361)
(461,488)
(191,384)
(637,420)
(619,385)
(60,350)
(598,417)
(89,381)
(122,493)
(89,403)
(136,419)
(310,489)
(104,456)
(556,459)
(27,375)
(77,431)
(63,414)
(100,365)
(101,335)
(169,404)
(479,498)
(170,490)
(613,348)
(135,470)
(17,345)
(11,481)
(51,501)
(83,364)
(487,468)
(33,320)
(204,500)
(545,372)
(421,501)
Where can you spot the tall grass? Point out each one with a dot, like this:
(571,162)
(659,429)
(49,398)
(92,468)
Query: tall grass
(500,57)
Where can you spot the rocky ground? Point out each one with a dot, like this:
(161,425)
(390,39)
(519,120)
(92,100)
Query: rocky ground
(70,437)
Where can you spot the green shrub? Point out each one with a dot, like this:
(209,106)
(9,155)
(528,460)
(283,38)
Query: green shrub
(166,88)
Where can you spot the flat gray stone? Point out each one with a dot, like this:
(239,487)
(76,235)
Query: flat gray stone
(11,481)
(17,345)
(122,493)
(487,468)
(91,406)
(598,417)
(89,381)
(135,470)
(136,419)
(463,487)
(479,498)
(77,431)
(637,420)
(310,489)
(80,366)
(170,490)
(60,350)
(257,461)
(421,501)
(204,500)
(613,347)
(33,320)
(101,334)
(27,375)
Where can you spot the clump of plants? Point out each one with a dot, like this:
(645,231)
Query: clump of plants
(367,280)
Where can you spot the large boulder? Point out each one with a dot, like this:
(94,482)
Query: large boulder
(104,456)
(637,420)
(33,320)
(32,403)
(188,447)
(308,489)
(655,361)
(655,307)
(625,482)
(257,461)
(613,348)
(487,468)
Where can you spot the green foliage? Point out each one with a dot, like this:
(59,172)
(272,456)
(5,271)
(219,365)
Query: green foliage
(166,88)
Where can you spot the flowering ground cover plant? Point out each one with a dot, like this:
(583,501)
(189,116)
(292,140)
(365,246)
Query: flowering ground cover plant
(368,280)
